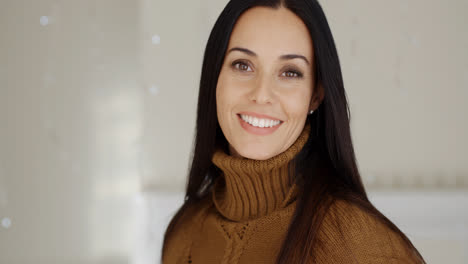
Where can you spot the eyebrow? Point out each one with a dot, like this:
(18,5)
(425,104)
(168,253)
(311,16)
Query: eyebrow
(282,57)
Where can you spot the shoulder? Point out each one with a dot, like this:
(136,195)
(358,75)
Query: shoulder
(352,216)
(180,238)
(191,215)
(351,234)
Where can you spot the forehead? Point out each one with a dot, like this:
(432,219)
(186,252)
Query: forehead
(267,31)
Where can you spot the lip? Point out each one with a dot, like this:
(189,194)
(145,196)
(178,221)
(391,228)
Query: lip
(259,115)
(262,131)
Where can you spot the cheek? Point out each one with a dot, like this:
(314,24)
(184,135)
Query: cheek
(296,104)
(226,94)
(224,99)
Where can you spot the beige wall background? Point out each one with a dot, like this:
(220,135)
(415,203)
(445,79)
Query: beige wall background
(97,118)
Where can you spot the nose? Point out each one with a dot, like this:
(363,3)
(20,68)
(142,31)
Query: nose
(262,91)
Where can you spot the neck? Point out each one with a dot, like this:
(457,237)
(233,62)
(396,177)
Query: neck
(249,188)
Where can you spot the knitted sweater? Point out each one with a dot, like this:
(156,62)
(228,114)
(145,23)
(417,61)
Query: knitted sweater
(246,217)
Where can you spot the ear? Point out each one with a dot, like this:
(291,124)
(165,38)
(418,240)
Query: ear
(317,97)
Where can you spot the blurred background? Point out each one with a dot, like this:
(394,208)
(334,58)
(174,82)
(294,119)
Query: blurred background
(97,118)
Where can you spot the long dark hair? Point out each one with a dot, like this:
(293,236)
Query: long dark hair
(328,154)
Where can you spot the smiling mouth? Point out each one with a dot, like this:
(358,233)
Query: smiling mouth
(276,123)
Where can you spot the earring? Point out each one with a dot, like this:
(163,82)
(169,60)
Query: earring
(311,111)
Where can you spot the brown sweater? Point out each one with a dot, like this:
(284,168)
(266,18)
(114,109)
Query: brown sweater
(246,217)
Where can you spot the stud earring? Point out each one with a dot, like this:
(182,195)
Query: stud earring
(311,111)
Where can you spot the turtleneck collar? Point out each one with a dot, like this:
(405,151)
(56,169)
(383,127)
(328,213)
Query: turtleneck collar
(248,188)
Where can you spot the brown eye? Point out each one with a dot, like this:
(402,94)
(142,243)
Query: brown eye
(242,66)
(293,74)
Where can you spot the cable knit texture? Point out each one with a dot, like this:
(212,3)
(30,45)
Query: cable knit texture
(247,215)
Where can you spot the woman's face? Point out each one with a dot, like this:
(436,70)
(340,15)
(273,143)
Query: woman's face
(258,81)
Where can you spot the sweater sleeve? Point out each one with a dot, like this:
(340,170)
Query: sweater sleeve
(350,235)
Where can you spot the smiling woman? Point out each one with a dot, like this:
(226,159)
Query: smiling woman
(274,177)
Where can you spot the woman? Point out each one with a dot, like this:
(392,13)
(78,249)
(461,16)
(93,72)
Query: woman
(274,177)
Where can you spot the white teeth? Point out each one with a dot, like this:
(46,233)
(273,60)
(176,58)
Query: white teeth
(260,122)
(255,122)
